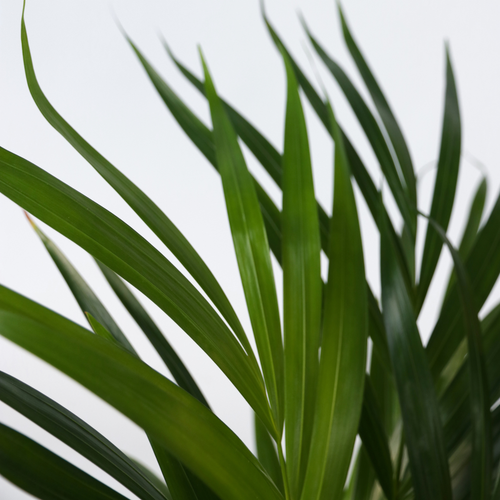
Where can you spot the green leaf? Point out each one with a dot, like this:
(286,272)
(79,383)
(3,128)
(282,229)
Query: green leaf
(261,148)
(267,453)
(343,347)
(483,267)
(118,246)
(252,250)
(202,137)
(482,452)
(145,208)
(471,228)
(176,420)
(80,436)
(379,145)
(43,474)
(385,112)
(422,426)
(302,287)
(90,305)
(375,442)
(445,185)
(148,326)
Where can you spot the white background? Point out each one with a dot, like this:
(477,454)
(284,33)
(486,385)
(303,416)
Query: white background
(93,79)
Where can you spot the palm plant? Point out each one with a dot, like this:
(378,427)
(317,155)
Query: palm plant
(424,415)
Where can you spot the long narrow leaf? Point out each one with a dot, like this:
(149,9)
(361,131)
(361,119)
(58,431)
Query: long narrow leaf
(145,208)
(482,452)
(422,427)
(252,249)
(180,423)
(45,475)
(445,185)
(483,267)
(77,434)
(202,137)
(124,251)
(261,148)
(374,135)
(301,287)
(343,347)
(385,112)
(148,326)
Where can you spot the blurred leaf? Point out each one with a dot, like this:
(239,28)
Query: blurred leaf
(176,420)
(267,454)
(483,267)
(422,426)
(148,326)
(302,287)
(343,346)
(43,474)
(471,228)
(445,184)
(374,135)
(252,250)
(385,112)
(118,246)
(98,329)
(481,457)
(77,434)
(375,443)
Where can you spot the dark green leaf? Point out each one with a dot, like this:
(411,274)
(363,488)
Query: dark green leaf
(80,436)
(343,346)
(252,250)
(267,453)
(422,426)
(43,474)
(479,392)
(374,135)
(445,185)
(385,112)
(148,326)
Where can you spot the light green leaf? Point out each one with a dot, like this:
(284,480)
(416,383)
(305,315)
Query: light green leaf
(176,420)
(302,287)
(445,185)
(118,246)
(252,250)
(343,347)
(77,434)
(43,474)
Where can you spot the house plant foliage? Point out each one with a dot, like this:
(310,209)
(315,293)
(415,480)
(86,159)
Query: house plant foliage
(423,415)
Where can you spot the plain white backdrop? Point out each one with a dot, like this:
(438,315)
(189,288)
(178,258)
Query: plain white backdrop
(91,76)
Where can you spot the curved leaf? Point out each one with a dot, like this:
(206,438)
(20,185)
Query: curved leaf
(176,420)
(343,346)
(77,434)
(124,251)
(145,208)
(44,474)
(445,185)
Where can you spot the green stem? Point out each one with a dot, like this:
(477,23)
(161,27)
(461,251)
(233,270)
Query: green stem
(283,471)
